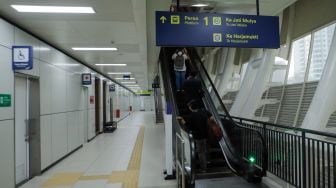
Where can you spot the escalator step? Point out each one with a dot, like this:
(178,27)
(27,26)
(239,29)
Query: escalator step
(214,173)
(230,182)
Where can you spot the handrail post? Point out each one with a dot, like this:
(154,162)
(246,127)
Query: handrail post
(176,161)
(264,130)
(266,147)
(182,164)
(303,160)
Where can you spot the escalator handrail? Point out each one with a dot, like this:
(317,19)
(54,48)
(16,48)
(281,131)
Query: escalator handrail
(265,158)
(265,154)
(193,158)
(229,147)
(195,54)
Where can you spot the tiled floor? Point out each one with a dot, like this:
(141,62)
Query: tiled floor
(104,161)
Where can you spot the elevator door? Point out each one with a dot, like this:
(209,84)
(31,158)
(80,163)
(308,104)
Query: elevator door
(21,130)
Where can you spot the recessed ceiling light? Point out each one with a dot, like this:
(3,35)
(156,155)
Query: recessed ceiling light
(200,5)
(110,65)
(53,9)
(124,78)
(42,48)
(94,49)
(119,73)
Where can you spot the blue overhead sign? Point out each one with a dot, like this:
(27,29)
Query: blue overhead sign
(22,57)
(205,29)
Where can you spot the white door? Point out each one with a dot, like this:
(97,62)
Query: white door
(21,130)
(86,114)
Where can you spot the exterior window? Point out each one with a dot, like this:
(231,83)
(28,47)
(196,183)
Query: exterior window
(243,72)
(321,46)
(298,60)
(279,74)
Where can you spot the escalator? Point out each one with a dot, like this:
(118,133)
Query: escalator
(241,153)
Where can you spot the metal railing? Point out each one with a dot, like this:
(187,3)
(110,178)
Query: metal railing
(303,158)
(185,159)
(180,160)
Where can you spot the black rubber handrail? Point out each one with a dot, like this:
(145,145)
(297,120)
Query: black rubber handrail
(194,54)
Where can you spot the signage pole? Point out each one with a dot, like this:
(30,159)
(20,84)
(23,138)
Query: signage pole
(257,7)
(177,5)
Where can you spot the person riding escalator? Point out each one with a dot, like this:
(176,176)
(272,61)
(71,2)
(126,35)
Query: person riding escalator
(196,122)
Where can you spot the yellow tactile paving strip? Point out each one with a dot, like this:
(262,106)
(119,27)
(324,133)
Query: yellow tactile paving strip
(129,178)
(97,177)
(135,161)
(62,179)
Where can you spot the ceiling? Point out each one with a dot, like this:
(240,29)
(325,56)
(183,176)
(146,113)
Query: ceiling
(128,25)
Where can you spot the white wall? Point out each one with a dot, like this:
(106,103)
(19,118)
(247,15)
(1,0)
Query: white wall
(108,114)
(62,108)
(61,101)
(7,165)
(91,110)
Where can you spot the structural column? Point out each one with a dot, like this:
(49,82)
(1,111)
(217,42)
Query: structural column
(247,83)
(227,71)
(324,100)
(262,78)
(220,67)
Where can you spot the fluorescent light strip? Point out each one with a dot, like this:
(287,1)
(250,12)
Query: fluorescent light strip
(94,49)
(124,78)
(119,65)
(200,5)
(67,64)
(132,85)
(119,73)
(53,9)
(128,82)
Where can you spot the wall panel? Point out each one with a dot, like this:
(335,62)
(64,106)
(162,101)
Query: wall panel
(6,33)
(7,82)
(45,88)
(59,136)
(73,134)
(7,178)
(22,38)
(58,89)
(46,137)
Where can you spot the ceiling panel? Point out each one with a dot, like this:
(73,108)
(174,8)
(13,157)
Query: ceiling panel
(126,24)
(118,32)
(116,23)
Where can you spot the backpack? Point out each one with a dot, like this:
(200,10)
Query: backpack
(214,130)
(179,62)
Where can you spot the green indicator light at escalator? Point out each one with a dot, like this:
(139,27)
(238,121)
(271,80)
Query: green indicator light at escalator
(252,159)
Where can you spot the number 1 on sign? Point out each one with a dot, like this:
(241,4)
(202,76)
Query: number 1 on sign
(206,20)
